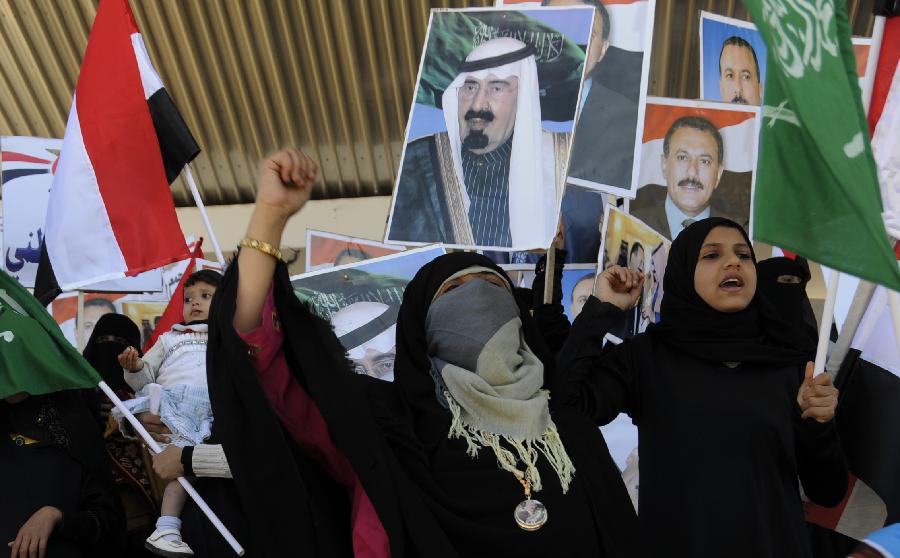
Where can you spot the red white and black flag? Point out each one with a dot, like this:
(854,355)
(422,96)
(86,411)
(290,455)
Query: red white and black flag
(110,212)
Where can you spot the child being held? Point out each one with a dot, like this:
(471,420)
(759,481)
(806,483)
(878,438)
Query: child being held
(177,362)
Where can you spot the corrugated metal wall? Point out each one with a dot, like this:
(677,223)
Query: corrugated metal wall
(333,76)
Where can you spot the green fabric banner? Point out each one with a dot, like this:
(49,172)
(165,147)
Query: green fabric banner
(35,358)
(817,190)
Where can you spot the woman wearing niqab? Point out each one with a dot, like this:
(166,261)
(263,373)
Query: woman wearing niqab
(463,455)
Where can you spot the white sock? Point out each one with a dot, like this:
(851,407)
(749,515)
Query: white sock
(169,522)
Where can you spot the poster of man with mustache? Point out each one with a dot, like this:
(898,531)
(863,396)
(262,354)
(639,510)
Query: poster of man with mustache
(733,60)
(698,160)
(488,136)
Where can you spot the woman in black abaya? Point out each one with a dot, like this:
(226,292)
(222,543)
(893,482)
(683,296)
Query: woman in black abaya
(461,456)
(728,419)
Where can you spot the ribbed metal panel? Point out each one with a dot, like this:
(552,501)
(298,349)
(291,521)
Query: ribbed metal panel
(332,76)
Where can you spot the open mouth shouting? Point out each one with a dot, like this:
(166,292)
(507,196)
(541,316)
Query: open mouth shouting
(732,283)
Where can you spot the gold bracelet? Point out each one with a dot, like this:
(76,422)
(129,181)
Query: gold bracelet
(263,247)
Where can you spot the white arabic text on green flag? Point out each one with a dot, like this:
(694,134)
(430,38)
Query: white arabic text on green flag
(817,189)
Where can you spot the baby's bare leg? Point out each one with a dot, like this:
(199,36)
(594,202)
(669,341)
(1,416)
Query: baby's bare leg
(173,499)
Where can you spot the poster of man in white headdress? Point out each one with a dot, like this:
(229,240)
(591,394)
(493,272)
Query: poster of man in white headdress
(362,300)
(488,136)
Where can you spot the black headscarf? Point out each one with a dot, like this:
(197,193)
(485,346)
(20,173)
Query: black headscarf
(755,334)
(412,364)
(790,299)
(112,335)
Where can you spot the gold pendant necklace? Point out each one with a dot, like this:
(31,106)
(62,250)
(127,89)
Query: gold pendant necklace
(530,514)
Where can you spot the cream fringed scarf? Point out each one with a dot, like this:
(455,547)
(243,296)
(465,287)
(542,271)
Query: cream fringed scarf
(493,381)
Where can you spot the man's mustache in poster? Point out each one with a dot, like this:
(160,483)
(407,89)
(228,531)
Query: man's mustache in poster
(485,115)
(690,183)
(738,98)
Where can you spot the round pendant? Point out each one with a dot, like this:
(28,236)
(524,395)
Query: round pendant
(531,515)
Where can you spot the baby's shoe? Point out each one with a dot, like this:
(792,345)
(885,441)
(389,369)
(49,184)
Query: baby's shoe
(161,543)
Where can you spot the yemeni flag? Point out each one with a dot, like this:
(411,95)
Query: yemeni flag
(817,189)
(35,358)
(110,212)
(174,312)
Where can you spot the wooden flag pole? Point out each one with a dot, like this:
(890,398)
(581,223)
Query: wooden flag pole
(154,447)
(199,202)
(550,274)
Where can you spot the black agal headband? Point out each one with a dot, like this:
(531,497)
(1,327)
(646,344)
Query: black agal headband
(495,61)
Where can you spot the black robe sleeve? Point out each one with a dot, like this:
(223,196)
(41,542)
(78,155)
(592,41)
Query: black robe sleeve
(98,517)
(600,382)
(550,318)
(820,461)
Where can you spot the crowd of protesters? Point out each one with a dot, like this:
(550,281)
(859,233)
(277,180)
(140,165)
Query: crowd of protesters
(486,442)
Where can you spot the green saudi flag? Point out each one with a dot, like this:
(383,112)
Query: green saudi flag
(817,188)
(35,358)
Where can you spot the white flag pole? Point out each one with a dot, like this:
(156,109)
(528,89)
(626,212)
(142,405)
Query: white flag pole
(858,307)
(872,62)
(154,447)
(80,341)
(827,321)
(199,202)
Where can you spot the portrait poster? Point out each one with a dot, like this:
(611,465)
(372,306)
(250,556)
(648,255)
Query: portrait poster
(617,67)
(495,101)
(629,242)
(145,310)
(145,313)
(738,49)
(362,300)
(706,168)
(729,47)
(577,286)
(325,249)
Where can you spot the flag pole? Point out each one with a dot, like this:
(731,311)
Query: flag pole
(550,274)
(827,321)
(858,307)
(199,202)
(154,447)
(872,62)
(894,304)
(80,341)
